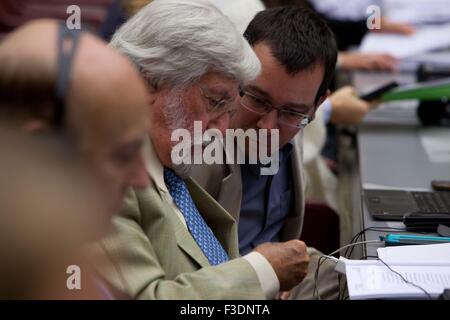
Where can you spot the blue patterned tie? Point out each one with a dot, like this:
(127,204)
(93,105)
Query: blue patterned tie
(197,226)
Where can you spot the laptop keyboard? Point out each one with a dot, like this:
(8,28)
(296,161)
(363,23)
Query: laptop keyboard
(432,202)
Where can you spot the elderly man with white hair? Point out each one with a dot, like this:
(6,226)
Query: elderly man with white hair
(172,240)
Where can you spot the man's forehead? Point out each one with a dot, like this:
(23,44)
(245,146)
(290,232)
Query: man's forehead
(219,81)
(115,114)
(298,88)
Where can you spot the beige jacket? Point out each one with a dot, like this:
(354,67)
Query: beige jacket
(153,255)
(223,183)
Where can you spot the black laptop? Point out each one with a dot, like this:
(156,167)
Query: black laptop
(394,204)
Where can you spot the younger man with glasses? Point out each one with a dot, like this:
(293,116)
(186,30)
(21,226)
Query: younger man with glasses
(298,56)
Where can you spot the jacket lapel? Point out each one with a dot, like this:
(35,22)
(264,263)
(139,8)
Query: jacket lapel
(187,243)
(184,239)
(294,223)
(220,221)
(230,192)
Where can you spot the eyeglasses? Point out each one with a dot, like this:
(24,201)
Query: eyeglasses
(66,56)
(218,104)
(287,117)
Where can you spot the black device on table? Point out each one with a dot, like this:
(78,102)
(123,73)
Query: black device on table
(426,221)
(440,185)
(378,92)
(431,221)
(435,112)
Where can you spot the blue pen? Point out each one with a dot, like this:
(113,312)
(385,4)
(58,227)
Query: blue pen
(407,239)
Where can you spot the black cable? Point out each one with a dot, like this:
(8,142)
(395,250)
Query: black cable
(347,254)
(330,256)
(356,237)
(353,240)
(405,280)
(339,284)
(316,275)
(365,257)
(316,294)
(349,251)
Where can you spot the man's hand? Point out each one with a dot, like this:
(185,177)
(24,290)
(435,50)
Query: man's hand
(347,108)
(289,260)
(388,26)
(366,61)
(284,295)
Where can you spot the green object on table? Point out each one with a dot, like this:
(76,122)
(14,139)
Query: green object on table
(433,90)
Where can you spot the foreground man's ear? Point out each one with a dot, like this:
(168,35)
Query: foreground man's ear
(36,125)
(324,97)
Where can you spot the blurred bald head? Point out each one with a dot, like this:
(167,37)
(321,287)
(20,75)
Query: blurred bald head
(105,104)
(28,64)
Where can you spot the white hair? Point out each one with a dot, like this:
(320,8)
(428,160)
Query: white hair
(175,42)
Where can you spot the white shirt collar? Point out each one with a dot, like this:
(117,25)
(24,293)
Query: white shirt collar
(154,166)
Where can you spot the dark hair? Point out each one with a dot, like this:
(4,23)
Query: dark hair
(26,89)
(299,39)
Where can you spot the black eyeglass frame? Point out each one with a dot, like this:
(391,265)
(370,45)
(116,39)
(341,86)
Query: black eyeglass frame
(269,107)
(67,44)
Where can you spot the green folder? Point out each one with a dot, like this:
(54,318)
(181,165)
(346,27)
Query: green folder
(432,90)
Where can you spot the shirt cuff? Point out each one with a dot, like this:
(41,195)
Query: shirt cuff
(326,107)
(266,275)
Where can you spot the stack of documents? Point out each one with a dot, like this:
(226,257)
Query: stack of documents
(425,39)
(417,12)
(427,266)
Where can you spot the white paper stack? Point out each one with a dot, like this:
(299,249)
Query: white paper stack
(425,39)
(424,266)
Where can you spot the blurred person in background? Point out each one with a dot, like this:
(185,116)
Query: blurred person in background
(133,6)
(60,83)
(83,99)
(349,28)
(348,19)
(101,17)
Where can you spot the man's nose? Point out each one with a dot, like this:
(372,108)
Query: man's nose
(221,123)
(269,121)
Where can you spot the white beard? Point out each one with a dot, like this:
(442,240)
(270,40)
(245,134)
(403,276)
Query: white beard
(175,116)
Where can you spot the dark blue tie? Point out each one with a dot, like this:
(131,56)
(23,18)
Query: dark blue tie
(197,226)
